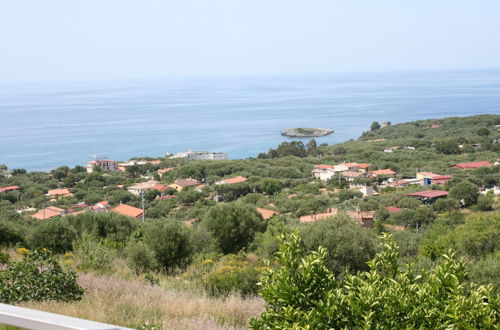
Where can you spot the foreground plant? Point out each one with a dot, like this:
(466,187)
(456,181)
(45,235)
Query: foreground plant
(303,294)
(38,277)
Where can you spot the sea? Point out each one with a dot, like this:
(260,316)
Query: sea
(46,125)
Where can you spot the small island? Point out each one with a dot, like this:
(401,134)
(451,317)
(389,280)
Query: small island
(302,132)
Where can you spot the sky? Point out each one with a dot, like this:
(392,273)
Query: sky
(54,40)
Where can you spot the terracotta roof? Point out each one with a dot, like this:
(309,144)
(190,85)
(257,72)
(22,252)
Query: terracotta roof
(186,182)
(160,187)
(386,171)
(435,125)
(48,212)
(127,210)
(236,179)
(266,214)
(164,170)
(392,209)
(103,203)
(201,186)
(8,188)
(351,174)
(364,166)
(57,192)
(472,165)
(351,164)
(322,166)
(429,193)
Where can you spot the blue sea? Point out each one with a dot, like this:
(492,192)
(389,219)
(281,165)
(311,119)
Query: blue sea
(46,125)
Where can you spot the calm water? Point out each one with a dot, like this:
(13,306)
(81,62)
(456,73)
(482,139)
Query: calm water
(43,126)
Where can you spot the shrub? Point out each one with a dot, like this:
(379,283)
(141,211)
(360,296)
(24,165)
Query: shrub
(465,192)
(233,225)
(38,277)
(170,243)
(485,203)
(140,257)
(303,293)
(92,253)
(55,234)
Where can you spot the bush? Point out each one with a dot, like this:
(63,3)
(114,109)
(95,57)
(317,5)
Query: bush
(465,192)
(349,245)
(55,234)
(233,225)
(303,293)
(170,242)
(92,253)
(140,257)
(485,203)
(38,277)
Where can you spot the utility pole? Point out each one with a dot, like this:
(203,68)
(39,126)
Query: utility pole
(142,204)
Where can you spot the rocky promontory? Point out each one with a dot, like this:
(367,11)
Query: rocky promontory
(302,132)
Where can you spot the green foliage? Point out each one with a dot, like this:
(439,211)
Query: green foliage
(465,192)
(110,225)
(271,186)
(170,242)
(233,225)
(38,277)
(483,131)
(303,293)
(140,257)
(55,234)
(374,126)
(445,205)
(92,254)
(479,235)
(485,202)
(346,194)
(349,246)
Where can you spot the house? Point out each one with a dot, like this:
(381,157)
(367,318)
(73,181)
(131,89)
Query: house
(60,192)
(400,183)
(364,167)
(128,210)
(236,179)
(199,188)
(104,164)
(386,123)
(266,213)
(364,218)
(472,165)
(201,155)
(123,166)
(435,125)
(384,172)
(326,172)
(350,176)
(429,196)
(352,167)
(49,212)
(409,148)
(441,179)
(367,191)
(180,184)
(142,187)
(391,149)
(8,189)
(101,206)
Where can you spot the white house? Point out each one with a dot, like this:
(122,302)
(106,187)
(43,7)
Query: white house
(202,155)
(105,164)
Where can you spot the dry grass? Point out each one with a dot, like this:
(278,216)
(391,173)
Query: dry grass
(133,303)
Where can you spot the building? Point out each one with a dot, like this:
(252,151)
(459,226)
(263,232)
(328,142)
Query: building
(429,196)
(59,192)
(128,210)
(350,176)
(472,165)
(392,149)
(326,172)
(392,209)
(266,213)
(384,172)
(386,123)
(142,187)
(497,162)
(364,167)
(104,164)
(435,125)
(180,184)
(364,218)
(165,170)
(202,155)
(236,179)
(49,212)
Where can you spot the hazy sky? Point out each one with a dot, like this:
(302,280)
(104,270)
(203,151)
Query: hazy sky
(103,39)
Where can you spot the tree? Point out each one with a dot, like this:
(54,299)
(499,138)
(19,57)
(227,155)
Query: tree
(55,234)
(374,126)
(485,202)
(483,131)
(447,147)
(170,243)
(271,186)
(302,293)
(349,245)
(465,192)
(233,225)
(312,147)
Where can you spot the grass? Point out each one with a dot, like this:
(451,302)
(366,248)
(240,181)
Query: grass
(132,303)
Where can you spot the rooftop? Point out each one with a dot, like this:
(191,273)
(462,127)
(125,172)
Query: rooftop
(127,210)
(429,193)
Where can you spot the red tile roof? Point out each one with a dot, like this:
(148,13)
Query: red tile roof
(429,193)
(8,188)
(472,165)
(160,187)
(266,214)
(364,166)
(127,210)
(392,209)
(386,171)
(59,191)
(322,166)
(236,179)
(48,212)
(351,165)
(186,182)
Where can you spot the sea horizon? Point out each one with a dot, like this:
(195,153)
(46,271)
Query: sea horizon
(46,125)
